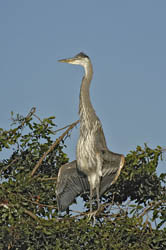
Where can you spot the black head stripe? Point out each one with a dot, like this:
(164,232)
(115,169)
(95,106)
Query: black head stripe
(83,55)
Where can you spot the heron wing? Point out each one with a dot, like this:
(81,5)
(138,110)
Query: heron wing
(112,165)
(70,184)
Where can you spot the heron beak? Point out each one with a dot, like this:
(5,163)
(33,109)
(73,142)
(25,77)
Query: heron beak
(69,60)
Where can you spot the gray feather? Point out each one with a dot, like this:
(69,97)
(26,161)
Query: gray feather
(71,183)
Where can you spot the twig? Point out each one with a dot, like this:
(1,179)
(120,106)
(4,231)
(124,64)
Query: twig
(31,112)
(52,147)
(163,149)
(30,214)
(48,179)
(88,213)
(151,205)
(13,161)
(8,206)
(39,204)
(37,117)
(102,206)
(62,128)
(12,132)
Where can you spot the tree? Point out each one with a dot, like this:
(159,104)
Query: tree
(132,215)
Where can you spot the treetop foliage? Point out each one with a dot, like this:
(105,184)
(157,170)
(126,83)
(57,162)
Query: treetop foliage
(132,214)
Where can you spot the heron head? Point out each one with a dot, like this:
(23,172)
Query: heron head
(80,59)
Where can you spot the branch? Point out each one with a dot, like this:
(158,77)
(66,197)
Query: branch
(48,179)
(7,206)
(9,134)
(61,129)
(31,112)
(37,117)
(52,147)
(30,214)
(13,161)
(151,205)
(37,203)
(88,213)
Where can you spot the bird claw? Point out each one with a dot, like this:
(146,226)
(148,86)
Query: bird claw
(92,216)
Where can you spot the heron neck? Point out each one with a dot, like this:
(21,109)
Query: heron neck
(86,110)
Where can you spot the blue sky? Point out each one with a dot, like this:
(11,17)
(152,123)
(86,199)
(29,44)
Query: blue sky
(126,41)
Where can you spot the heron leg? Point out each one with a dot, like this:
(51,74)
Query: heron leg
(91,197)
(98,197)
(92,214)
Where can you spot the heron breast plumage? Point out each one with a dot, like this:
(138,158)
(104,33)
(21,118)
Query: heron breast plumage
(86,151)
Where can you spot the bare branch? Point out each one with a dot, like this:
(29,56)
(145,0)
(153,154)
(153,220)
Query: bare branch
(52,147)
(39,204)
(62,128)
(37,117)
(48,179)
(30,214)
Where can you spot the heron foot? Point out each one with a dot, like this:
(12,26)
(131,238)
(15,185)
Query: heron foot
(92,216)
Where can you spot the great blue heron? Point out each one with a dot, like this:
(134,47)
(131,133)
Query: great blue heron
(96,168)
